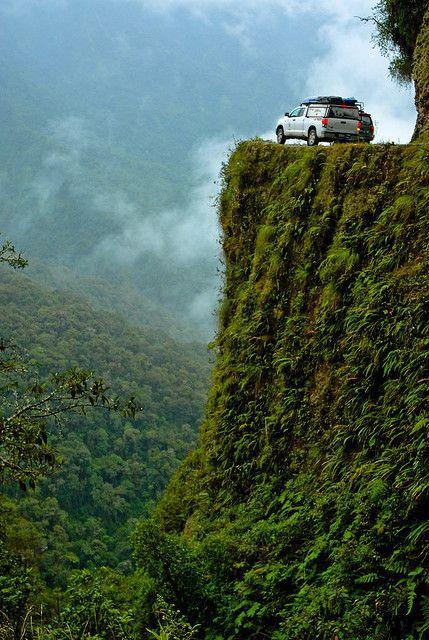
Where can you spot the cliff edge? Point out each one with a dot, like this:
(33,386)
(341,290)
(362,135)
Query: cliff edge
(311,480)
(304,511)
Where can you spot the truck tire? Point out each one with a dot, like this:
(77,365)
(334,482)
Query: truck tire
(281,138)
(312,140)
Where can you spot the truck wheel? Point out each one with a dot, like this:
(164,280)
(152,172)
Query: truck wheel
(281,138)
(312,140)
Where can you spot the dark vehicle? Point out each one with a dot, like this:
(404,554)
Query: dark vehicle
(367,129)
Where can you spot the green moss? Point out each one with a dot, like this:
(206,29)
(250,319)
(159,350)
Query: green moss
(421,76)
(263,237)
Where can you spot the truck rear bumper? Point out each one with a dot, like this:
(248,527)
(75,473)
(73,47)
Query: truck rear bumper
(345,137)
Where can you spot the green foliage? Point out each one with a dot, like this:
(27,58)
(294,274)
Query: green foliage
(98,605)
(112,468)
(18,579)
(175,569)
(305,506)
(399,24)
(108,467)
(11,257)
(172,625)
(91,610)
(28,406)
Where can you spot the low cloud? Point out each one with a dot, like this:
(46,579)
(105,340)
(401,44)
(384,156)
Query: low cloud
(20,7)
(69,138)
(185,239)
(203,8)
(348,64)
(175,240)
(185,235)
(291,7)
(199,7)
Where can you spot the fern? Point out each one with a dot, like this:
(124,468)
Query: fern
(369,578)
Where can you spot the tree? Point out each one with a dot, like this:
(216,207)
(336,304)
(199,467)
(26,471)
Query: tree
(172,625)
(401,37)
(28,405)
(10,256)
(176,569)
(91,611)
(398,25)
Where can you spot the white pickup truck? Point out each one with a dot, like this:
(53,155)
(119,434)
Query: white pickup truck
(328,119)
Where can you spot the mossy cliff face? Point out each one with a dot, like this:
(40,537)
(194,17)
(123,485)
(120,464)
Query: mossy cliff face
(307,502)
(421,77)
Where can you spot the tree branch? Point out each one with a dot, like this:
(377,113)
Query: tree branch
(370,19)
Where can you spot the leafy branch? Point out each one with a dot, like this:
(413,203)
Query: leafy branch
(27,410)
(11,257)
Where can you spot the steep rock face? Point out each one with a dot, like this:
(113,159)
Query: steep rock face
(421,77)
(307,499)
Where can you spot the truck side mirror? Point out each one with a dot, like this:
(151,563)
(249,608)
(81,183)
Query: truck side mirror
(287,114)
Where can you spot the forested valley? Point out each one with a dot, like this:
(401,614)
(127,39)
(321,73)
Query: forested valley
(109,470)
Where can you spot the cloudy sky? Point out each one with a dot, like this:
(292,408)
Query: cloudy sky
(348,63)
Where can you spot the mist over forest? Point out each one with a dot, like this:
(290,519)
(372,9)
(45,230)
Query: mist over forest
(116,116)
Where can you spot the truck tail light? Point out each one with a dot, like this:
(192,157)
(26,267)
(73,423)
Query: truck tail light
(359,126)
(325,122)
(372,129)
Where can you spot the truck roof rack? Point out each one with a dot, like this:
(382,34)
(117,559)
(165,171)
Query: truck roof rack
(335,100)
(324,100)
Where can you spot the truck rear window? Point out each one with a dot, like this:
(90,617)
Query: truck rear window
(313,112)
(346,113)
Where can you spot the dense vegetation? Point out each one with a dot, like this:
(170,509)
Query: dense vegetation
(304,509)
(399,25)
(113,469)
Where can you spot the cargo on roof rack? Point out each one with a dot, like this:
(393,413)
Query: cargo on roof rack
(323,100)
(334,100)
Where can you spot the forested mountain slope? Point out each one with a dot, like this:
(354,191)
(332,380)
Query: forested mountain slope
(105,294)
(113,469)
